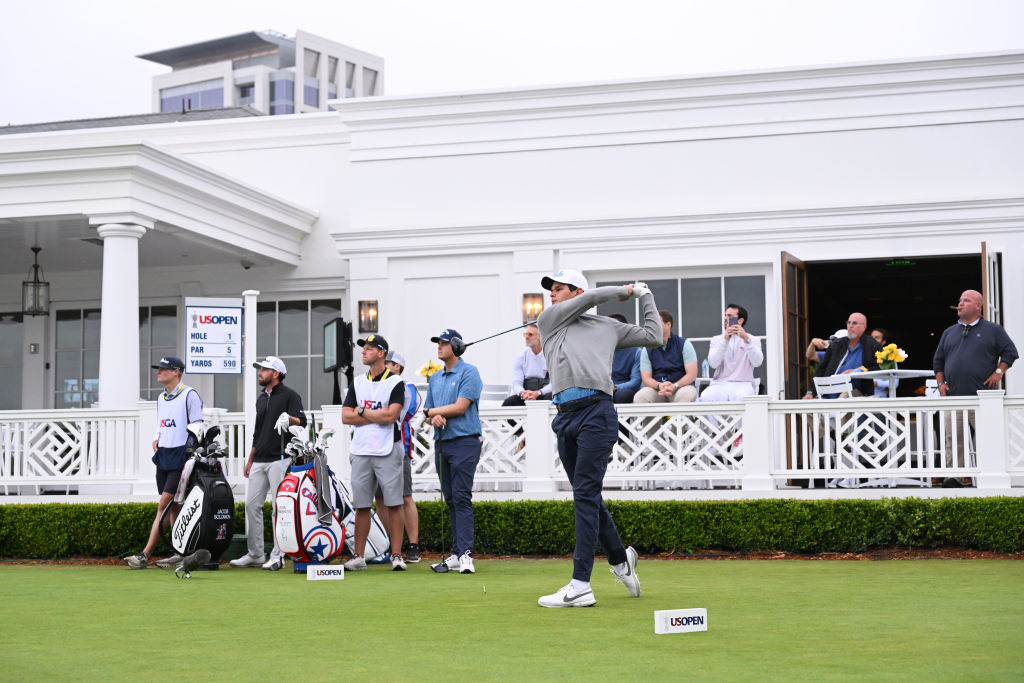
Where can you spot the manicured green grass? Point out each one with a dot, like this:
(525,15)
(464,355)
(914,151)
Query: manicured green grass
(783,620)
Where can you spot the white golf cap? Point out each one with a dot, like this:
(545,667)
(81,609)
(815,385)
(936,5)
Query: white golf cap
(271,363)
(840,334)
(396,357)
(567,276)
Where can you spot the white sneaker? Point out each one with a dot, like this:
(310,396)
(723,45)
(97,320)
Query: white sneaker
(628,577)
(274,564)
(565,597)
(466,563)
(247,561)
(450,564)
(356,564)
(397,563)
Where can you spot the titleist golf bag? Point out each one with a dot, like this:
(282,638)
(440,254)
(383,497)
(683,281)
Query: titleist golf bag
(206,519)
(313,514)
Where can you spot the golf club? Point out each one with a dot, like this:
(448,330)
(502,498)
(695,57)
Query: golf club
(459,347)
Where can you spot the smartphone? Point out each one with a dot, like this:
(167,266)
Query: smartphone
(733,320)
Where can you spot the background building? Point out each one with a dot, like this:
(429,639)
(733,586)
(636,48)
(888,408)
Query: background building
(267,71)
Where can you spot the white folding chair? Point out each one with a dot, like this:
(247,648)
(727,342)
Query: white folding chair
(834,384)
(826,386)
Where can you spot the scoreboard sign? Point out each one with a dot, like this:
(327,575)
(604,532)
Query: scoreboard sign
(213,339)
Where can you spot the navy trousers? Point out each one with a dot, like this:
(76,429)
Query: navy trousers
(585,440)
(455,461)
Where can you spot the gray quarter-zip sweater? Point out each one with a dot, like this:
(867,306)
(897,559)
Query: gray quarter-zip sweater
(579,346)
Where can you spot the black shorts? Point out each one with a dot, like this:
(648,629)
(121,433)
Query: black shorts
(167,480)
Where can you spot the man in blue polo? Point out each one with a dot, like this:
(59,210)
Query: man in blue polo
(453,395)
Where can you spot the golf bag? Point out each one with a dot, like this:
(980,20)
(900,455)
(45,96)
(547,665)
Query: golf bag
(306,535)
(307,522)
(206,519)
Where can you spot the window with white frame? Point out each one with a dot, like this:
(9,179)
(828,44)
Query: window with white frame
(293,331)
(77,358)
(697,305)
(158,337)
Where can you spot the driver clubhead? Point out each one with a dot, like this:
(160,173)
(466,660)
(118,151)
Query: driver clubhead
(458,346)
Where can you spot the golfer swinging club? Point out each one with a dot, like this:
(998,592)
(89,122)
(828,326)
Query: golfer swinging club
(578,347)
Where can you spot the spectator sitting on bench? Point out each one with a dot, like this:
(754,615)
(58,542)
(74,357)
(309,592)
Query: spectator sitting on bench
(530,373)
(668,370)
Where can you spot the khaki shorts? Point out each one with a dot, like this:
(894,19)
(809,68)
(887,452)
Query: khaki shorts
(406,478)
(369,471)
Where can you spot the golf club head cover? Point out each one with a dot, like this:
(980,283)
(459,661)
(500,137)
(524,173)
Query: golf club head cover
(192,562)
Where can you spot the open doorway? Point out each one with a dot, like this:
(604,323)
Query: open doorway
(910,298)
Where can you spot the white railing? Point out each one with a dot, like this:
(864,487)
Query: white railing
(67,447)
(754,445)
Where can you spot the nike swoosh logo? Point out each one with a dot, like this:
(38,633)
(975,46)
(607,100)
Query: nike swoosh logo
(569,598)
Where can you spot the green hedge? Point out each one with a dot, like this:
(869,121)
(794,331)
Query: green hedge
(58,530)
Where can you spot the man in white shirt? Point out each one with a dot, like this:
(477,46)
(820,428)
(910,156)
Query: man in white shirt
(530,373)
(734,354)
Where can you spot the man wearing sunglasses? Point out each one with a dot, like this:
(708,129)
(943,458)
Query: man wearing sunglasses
(851,354)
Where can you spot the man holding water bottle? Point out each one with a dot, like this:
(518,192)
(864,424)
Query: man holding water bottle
(668,371)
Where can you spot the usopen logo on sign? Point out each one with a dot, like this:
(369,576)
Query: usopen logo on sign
(320,543)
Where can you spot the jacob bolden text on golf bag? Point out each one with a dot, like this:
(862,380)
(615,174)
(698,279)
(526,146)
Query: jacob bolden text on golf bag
(206,519)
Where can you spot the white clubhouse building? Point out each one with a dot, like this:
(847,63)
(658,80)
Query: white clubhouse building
(802,194)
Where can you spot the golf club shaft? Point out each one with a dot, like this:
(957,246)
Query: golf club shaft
(498,334)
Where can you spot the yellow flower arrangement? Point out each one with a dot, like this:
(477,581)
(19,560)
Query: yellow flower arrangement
(889,356)
(429,368)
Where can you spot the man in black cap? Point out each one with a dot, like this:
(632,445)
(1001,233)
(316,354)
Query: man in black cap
(373,405)
(177,407)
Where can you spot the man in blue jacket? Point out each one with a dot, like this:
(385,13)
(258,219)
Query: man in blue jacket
(625,370)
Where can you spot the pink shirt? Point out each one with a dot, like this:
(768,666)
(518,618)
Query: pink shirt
(734,360)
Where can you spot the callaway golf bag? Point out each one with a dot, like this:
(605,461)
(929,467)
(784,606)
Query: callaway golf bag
(206,519)
(313,514)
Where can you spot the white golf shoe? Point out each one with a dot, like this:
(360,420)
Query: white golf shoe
(247,561)
(566,597)
(627,576)
(466,563)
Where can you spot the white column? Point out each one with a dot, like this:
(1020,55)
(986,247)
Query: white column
(540,449)
(757,445)
(119,322)
(248,371)
(990,441)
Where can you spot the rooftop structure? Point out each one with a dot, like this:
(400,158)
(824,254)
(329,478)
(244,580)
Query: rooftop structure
(265,70)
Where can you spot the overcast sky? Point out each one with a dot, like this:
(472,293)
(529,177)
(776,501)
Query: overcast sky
(68,59)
